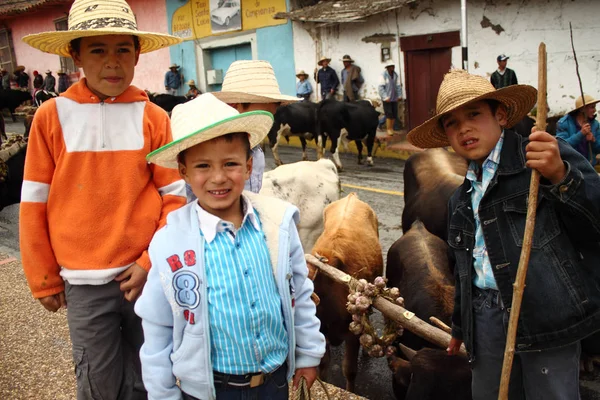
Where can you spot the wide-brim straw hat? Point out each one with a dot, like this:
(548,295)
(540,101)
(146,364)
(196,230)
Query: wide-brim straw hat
(60,72)
(320,62)
(390,65)
(301,73)
(191,82)
(579,102)
(174,66)
(19,68)
(48,71)
(347,58)
(206,118)
(89,18)
(251,81)
(460,88)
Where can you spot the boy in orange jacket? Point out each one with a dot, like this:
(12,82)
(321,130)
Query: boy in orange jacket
(90,202)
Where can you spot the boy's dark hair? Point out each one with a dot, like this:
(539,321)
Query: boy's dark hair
(230,137)
(493,104)
(75,44)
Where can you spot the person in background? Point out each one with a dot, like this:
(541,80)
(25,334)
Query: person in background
(50,82)
(63,81)
(21,77)
(327,77)
(303,86)
(5,79)
(193,92)
(38,81)
(503,76)
(580,128)
(390,91)
(352,80)
(172,80)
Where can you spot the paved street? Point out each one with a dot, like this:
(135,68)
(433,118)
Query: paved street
(381,186)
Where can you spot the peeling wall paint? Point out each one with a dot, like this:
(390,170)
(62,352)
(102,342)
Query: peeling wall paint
(524,24)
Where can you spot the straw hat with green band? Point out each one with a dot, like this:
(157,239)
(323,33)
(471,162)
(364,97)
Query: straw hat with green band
(460,88)
(89,18)
(206,118)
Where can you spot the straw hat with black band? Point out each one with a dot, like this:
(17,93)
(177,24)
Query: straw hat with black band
(251,81)
(579,102)
(320,62)
(89,18)
(206,118)
(460,88)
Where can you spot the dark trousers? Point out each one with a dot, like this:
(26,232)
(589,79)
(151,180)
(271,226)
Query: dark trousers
(306,97)
(326,94)
(347,99)
(390,108)
(106,335)
(275,387)
(544,375)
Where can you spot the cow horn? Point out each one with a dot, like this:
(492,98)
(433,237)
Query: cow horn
(408,352)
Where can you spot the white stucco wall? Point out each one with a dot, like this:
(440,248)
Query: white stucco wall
(526,23)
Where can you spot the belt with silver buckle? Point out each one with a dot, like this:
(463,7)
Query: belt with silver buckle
(248,380)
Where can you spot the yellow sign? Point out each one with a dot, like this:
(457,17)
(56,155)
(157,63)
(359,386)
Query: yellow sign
(201,18)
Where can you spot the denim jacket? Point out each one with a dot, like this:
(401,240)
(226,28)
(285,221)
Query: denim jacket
(561,301)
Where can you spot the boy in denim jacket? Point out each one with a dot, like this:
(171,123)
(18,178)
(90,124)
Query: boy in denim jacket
(561,303)
(227,308)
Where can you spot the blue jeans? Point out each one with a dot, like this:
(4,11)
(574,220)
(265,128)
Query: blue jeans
(275,387)
(544,375)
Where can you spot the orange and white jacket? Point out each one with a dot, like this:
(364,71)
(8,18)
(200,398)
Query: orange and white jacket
(90,202)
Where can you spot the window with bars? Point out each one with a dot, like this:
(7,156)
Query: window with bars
(7,52)
(66,63)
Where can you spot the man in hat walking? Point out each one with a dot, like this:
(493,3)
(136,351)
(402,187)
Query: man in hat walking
(327,77)
(303,87)
(49,82)
(580,128)
(193,92)
(63,81)
(351,79)
(390,91)
(21,77)
(503,76)
(172,80)
(86,157)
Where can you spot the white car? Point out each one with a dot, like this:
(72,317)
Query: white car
(225,12)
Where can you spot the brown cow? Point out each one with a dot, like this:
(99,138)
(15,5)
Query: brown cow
(430,178)
(417,264)
(350,242)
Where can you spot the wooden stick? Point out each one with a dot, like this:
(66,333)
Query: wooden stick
(585,118)
(519,284)
(407,319)
(440,324)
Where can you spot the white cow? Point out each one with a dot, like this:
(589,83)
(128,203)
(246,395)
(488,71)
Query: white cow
(310,186)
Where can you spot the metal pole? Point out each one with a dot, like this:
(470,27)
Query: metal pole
(463,34)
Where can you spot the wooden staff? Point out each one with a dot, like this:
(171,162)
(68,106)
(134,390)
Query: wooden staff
(585,118)
(519,285)
(402,316)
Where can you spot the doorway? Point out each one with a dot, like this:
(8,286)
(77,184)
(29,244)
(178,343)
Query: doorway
(222,57)
(427,58)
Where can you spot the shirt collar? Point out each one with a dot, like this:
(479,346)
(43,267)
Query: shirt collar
(210,224)
(491,162)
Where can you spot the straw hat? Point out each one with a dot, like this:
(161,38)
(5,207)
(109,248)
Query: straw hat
(60,72)
(320,62)
(174,65)
(347,58)
(301,73)
(206,118)
(19,68)
(251,81)
(96,18)
(460,88)
(191,82)
(48,71)
(588,100)
(391,65)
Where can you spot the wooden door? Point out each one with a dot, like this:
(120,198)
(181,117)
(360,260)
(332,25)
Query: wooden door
(426,59)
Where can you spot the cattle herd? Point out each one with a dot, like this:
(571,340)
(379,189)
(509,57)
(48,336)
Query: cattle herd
(345,232)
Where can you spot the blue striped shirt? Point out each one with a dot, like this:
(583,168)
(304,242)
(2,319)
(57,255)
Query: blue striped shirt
(247,331)
(484,277)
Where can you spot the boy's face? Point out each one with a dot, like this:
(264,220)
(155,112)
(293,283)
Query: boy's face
(217,170)
(473,130)
(108,63)
(590,110)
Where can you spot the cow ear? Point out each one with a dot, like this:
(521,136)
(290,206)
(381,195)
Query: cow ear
(401,370)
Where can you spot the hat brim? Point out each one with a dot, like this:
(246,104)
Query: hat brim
(57,42)
(256,123)
(243,97)
(586,104)
(299,75)
(518,99)
(323,59)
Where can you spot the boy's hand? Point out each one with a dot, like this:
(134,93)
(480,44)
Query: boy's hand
(132,281)
(454,346)
(586,129)
(310,374)
(55,302)
(544,156)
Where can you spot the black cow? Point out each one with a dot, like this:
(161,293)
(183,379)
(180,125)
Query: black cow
(359,120)
(2,129)
(166,101)
(296,119)
(12,181)
(12,99)
(430,374)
